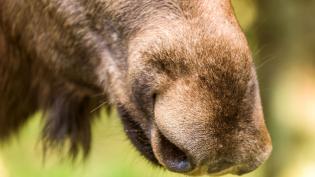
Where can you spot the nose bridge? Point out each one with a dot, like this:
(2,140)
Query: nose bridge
(201,123)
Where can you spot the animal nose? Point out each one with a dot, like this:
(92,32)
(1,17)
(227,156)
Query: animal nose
(176,158)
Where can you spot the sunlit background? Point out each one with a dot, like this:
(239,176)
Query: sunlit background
(281,34)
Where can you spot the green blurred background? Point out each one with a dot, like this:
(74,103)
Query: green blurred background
(281,34)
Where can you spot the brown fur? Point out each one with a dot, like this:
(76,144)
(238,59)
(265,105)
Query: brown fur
(179,72)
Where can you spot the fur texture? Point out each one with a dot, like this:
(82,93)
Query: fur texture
(179,72)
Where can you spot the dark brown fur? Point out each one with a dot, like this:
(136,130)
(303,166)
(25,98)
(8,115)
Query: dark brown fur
(179,72)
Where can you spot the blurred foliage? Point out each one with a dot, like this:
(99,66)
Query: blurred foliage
(282,36)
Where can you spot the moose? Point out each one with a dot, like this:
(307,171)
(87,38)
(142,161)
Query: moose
(179,73)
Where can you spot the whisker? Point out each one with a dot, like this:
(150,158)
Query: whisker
(256,52)
(98,107)
(265,62)
(133,131)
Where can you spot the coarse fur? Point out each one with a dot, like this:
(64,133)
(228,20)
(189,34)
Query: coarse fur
(179,72)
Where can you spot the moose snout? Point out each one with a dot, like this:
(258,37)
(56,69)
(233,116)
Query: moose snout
(178,158)
(189,137)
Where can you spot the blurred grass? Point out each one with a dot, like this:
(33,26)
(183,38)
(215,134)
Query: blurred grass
(112,156)
(3,170)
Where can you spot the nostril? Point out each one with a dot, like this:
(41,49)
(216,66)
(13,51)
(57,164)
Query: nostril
(173,157)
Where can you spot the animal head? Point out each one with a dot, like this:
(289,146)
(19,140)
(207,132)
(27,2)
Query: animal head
(194,104)
(179,72)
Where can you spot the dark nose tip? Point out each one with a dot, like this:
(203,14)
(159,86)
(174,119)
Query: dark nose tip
(180,166)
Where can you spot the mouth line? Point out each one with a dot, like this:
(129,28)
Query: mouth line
(204,170)
(231,170)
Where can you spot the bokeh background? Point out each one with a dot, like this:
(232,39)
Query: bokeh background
(281,34)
